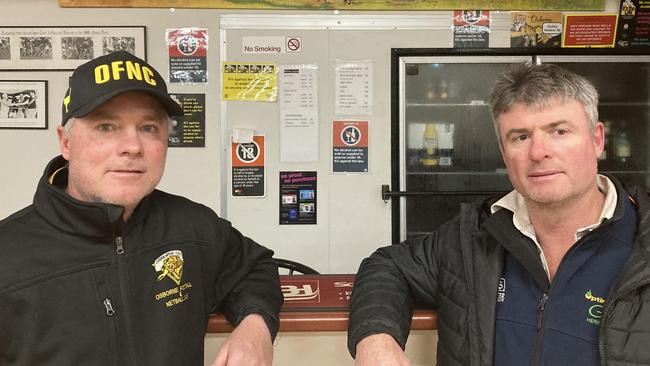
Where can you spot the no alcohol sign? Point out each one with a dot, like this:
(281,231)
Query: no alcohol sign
(248,168)
(350,146)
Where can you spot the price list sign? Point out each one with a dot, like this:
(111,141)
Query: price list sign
(354,85)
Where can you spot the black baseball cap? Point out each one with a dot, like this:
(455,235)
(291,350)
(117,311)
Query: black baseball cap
(98,80)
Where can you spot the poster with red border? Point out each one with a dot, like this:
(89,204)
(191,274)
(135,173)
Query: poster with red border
(589,30)
(350,146)
(188,49)
(248,163)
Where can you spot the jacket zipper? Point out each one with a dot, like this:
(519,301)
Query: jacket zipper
(100,278)
(539,342)
(119,245)
(123,284)
(541,307)
(109,307)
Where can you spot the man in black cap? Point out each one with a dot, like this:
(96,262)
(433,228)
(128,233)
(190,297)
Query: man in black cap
(102,268)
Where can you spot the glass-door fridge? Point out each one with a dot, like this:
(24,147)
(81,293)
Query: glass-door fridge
(623,84)
(444,148)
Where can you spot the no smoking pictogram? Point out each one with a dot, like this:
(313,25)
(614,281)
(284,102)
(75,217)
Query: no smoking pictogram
(294,44)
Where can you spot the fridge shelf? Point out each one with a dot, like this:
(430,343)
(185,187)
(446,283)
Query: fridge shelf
(440,104)
(613,103)
(614,172)
(490,173)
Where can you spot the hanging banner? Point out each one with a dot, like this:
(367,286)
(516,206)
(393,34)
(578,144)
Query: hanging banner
(247,81)
(188,49)
(350,146)
(589,30)
(471,29)
(297,198)
(535,29)
(189,129)
(248,173)
(633,28)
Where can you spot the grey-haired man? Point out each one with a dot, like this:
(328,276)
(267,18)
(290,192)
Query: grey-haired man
(557,272)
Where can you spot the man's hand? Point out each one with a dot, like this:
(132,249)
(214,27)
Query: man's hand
(249,344)
(380,350)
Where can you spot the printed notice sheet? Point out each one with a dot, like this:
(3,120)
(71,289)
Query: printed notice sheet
(353,89)
(298,92)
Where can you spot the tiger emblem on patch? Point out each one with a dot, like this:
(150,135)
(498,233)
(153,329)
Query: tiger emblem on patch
(170,265)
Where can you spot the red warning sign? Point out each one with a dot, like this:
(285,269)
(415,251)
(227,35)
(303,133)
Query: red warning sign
(248,168)
(350,146)
(589,30)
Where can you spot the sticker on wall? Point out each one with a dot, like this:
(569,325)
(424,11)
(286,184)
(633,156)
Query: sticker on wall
(271,44)
(189,129)
(249,81)
(297,198)
(535,28)
(188,48)
(589,30)
(471,28)
(350,146)
(633,24)
(248,173)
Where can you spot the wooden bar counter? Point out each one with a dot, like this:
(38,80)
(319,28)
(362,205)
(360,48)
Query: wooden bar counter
(319,303)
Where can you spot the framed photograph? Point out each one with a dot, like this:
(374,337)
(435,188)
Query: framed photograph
(23,104)
(65,48)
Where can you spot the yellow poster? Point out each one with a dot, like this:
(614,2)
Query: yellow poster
(249,81)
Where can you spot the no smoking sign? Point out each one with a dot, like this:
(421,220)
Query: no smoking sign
(294,44)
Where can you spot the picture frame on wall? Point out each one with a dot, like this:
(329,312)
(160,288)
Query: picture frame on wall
(65,48)
(23,104)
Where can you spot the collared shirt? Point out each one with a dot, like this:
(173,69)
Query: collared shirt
(515,203)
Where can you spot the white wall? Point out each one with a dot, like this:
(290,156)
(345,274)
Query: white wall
(352,219)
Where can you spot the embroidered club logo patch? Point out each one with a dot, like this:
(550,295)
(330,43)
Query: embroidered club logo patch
(170,265)
(594,308)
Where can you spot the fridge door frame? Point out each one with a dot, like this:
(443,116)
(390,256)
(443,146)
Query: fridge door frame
(401,138)
(398,218)
(614,58)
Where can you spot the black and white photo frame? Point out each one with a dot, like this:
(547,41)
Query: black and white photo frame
(65,48)
(23,104)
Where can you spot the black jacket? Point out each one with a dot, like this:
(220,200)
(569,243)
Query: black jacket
(456,270)
(79,286)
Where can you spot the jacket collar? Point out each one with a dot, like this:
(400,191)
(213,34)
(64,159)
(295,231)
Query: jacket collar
(99,221)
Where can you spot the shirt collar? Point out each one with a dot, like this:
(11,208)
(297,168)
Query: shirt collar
(515,203)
